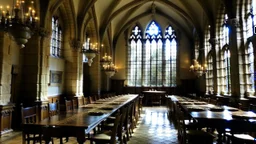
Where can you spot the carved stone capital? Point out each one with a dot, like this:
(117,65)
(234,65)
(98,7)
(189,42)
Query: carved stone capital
(75,44)
(43,32)
(233,22)
(213,41)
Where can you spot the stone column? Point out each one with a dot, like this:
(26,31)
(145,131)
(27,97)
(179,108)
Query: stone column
(95,73)
(6,108)
(234,61)
(213,42)
(43,69)
(5,68)
(74,69)
(34,72)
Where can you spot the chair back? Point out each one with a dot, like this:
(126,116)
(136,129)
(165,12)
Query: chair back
(115,128)
(29,114)
(30,132)
(86,100)
(91,100)
(53,108)
(75,103)
(68,104)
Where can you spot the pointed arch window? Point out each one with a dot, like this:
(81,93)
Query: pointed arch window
(135,58)
(250,64)
(251,21)
(209,74)
(56,38)
(227,76)
(225,31)
(152,60)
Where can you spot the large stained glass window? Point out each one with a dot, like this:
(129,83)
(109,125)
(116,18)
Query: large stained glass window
(152,60)
(56,38)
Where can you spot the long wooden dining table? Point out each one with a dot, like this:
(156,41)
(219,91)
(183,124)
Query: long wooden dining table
(218,117)
(81,121)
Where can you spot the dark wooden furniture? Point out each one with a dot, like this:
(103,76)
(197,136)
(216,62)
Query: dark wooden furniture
(30,133)
(212,116)
(107,136)
(68,105)
(78,122)
(53,108)
(153,97)
(75,103)
(117,85)
(6,118)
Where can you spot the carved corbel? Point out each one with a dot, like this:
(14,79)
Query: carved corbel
(75,44)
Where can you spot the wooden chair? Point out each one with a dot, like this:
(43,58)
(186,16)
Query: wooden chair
(53,108)
(107,136)
(122,129)
(30,132)
(75,103)
(191,136)
(86,100)
(91,100)
(241,132)
(68,104)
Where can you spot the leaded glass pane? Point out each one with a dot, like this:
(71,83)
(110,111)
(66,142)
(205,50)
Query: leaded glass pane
(155,61)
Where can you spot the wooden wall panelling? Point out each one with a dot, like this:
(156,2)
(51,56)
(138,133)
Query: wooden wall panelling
(6,118)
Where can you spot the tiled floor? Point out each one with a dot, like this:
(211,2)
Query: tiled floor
(153,128)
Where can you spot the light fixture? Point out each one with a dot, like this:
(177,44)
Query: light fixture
(106,60)
(110,69)
(90,51)
(19,21)
(197,68)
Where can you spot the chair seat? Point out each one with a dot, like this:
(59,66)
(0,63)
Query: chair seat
(199,133)
(103,136)
(242,136)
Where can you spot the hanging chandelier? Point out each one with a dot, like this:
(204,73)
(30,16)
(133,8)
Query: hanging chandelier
(198,69)
(19,21)
(106,60)
(90,51)
(110,69)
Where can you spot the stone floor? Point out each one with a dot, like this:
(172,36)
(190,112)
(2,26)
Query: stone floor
(153,128)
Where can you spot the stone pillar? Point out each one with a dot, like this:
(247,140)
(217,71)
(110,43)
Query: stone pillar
(5,68)
(213,42)
(74,69)
(34,67)
(234,61)
(95,73)
(43,70)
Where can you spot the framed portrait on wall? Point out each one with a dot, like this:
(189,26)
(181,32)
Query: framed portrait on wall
(55,77)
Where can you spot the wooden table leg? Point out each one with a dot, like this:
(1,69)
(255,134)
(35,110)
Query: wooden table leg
(80,136)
